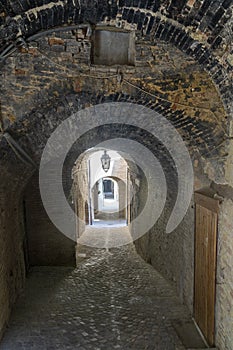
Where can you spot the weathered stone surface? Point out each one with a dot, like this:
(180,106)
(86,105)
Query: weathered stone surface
(112,300)
(176,86)
(183,62)
(224,304)
(12,242)
(47,246)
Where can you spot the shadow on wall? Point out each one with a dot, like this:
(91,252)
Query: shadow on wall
(46,244)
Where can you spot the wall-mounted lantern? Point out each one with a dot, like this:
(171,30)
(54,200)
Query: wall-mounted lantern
(105,160)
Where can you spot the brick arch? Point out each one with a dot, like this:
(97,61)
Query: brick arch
(34,135)
(160,20)
(111,131)
(205,16)
(103,128)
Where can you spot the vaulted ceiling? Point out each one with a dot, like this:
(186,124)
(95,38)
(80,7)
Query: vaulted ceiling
(202,30)
(209,21)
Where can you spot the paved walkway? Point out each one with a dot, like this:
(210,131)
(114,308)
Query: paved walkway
(112,301)
(114,223)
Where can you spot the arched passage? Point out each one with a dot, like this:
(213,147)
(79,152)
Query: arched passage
(103,197)
(180,90)
(110,199)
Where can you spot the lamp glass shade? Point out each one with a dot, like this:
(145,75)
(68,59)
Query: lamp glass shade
(105,160)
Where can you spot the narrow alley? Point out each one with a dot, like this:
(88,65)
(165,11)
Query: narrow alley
(116,175)
(113,300)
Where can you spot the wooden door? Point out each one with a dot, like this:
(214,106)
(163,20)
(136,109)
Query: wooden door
(205,264)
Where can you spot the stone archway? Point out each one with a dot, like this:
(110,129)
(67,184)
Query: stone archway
(30,112)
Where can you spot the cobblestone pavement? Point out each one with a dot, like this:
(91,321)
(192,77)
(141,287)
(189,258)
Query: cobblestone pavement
(112,301)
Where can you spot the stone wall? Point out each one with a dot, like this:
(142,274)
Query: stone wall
(12,242)
(224,305)
(80,193)
(208,21)
(176,73)
(46,244)
(173,83)
(171,254)
(12,264)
